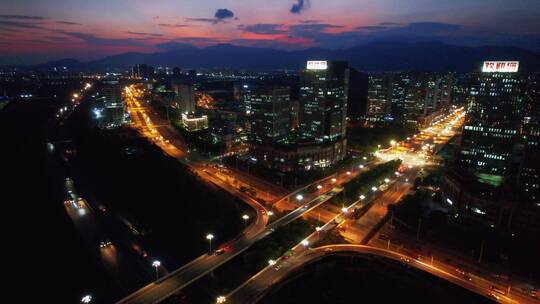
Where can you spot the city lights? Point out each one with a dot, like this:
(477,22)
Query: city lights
(234,133)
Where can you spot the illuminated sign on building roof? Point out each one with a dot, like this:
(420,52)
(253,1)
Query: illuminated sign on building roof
(317,65)
(500,66)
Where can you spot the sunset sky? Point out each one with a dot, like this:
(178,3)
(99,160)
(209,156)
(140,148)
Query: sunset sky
(34,31)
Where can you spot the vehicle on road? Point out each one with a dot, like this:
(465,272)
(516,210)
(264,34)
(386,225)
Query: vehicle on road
(496,289)
(219,252)
(105,244)
(494,295)
(405,259)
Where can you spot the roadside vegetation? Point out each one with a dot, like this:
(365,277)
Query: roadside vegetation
(160,198)
(362,183)
(366,140)
(248,263)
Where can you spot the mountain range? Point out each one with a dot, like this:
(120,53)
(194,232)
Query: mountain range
(376,56)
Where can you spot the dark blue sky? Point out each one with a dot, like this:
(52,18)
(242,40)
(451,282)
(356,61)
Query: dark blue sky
(37,30)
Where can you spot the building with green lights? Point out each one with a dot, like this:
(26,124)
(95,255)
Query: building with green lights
(496,178)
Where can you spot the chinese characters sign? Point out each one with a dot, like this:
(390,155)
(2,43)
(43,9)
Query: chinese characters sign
(500,66)
(317,65)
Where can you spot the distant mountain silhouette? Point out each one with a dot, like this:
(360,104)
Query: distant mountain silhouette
(376,56)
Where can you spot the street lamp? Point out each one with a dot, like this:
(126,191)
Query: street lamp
(348,172)
(392,142)
(156,265)
(374,189)
(245,217)
(270,213)
(271,262)
(86,299)
(387,180)
(319,187)
(334,180)
(299,197)
(344,209)
(209,237)
(305,243)
(221,299)
(362,197)
(361,167)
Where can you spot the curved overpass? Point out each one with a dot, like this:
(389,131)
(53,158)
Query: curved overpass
(259,285)
(197,268)
(166,286)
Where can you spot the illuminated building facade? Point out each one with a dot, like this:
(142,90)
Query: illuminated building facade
(496,179)
(529,171)
(323,101)
(492,124)
(193,123)
(270,115)
(379,104)
(184,97)
(114,112)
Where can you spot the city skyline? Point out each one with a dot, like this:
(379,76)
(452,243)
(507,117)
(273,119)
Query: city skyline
(285,151)
(85,31)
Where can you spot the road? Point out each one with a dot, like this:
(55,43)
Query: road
(371,201)
(363,229)
(415,152)
(259,285)
(419,149)
(451,261)
(258,229)
(185,275)
(127,269)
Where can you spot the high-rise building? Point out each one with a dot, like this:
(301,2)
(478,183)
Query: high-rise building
(141,70)
(416,92)
(496,180)
(529,171)
(270,115)
(113,103)
(323,101)
(245,96)
(492,123)
(379,103)
(184,97)
(357,95)
(438,93)
(320,139)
